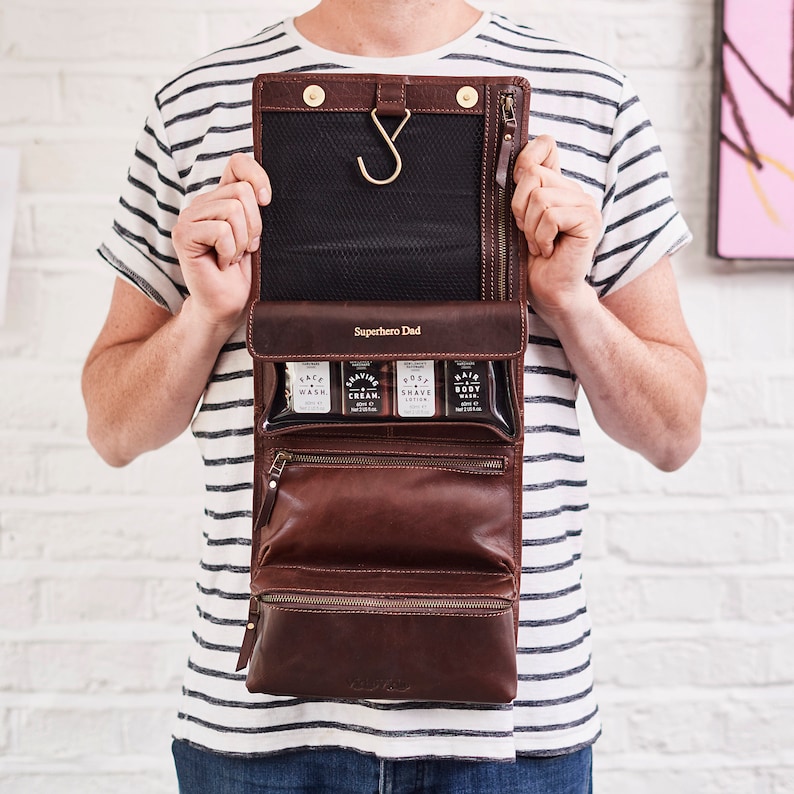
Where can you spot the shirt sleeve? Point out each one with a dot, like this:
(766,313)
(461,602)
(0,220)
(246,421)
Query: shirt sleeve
(641,221)
(139,244)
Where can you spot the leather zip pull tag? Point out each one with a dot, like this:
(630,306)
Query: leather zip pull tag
(507,136)
(247,648)
(271,489)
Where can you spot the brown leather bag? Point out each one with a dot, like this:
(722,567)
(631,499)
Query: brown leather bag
(386,547)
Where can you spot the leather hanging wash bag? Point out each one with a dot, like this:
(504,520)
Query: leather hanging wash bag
(387,328)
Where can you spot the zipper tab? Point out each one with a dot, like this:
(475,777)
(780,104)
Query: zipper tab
(506,142)
(271,487)
(247,648)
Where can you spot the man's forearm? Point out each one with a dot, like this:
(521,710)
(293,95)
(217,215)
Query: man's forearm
(142,394)
(644,394)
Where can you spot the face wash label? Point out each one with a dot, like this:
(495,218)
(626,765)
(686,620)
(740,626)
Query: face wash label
(309,385)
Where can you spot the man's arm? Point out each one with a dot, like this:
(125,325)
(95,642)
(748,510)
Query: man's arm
(639,367)
(147,370)
(631,352)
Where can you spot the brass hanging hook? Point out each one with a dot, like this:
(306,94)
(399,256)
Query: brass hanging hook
(390,143)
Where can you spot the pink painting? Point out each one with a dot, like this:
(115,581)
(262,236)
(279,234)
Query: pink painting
(755,194)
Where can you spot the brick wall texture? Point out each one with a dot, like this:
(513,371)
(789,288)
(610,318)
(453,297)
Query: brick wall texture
(691,575)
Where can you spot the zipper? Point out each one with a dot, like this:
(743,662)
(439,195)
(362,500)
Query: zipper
(283,458)
(387,602)
(507,136)
(385,460)
(504,156)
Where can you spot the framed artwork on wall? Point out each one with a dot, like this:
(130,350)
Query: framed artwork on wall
(754,164)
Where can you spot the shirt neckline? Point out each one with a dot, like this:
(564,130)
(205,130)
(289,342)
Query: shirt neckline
(393,64)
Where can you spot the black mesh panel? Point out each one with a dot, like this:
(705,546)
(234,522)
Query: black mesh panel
(330,235)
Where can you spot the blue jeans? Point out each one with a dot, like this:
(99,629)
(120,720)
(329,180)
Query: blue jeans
(332,771)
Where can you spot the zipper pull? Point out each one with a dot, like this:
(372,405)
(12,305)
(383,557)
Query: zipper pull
(507,102)
(247,648)
(271,487)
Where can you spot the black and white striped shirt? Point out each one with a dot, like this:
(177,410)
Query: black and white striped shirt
(606,143)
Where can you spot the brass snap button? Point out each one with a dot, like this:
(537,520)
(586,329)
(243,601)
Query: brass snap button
(467,96)
(314,96)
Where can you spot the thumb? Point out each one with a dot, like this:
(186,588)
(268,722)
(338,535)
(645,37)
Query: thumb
(243,168)
(539,151)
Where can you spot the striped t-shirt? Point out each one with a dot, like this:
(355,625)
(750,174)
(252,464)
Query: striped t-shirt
(607,144)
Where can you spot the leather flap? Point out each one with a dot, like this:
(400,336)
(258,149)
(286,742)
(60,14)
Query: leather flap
(344,330)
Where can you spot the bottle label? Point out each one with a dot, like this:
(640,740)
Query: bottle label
(364,388)
(416,388)
(467,385)
(309,386)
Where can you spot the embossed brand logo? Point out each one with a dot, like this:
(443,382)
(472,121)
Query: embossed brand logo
(400,330)
(378,685)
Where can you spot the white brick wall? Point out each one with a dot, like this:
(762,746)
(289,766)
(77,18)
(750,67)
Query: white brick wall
(690,575)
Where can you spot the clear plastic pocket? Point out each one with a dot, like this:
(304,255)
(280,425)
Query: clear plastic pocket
(367,391)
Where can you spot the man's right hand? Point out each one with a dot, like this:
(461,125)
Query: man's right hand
(215,237)
(148,368)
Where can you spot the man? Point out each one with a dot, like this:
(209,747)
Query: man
(593,199)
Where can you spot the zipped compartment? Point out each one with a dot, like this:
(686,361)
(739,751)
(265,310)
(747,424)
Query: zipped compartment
(459,464)
(414,504)
(508,126)
(388,603)
(412,634)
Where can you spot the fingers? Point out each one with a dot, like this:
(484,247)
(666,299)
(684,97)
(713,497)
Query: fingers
(579,225)
(541,151)
(245,180)
(226,219)
(556,209)
(242,168)
(209,235)
(537,164)
(546,204)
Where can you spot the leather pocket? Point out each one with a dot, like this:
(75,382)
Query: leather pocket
(384,570)
(386,634)
(395,504)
